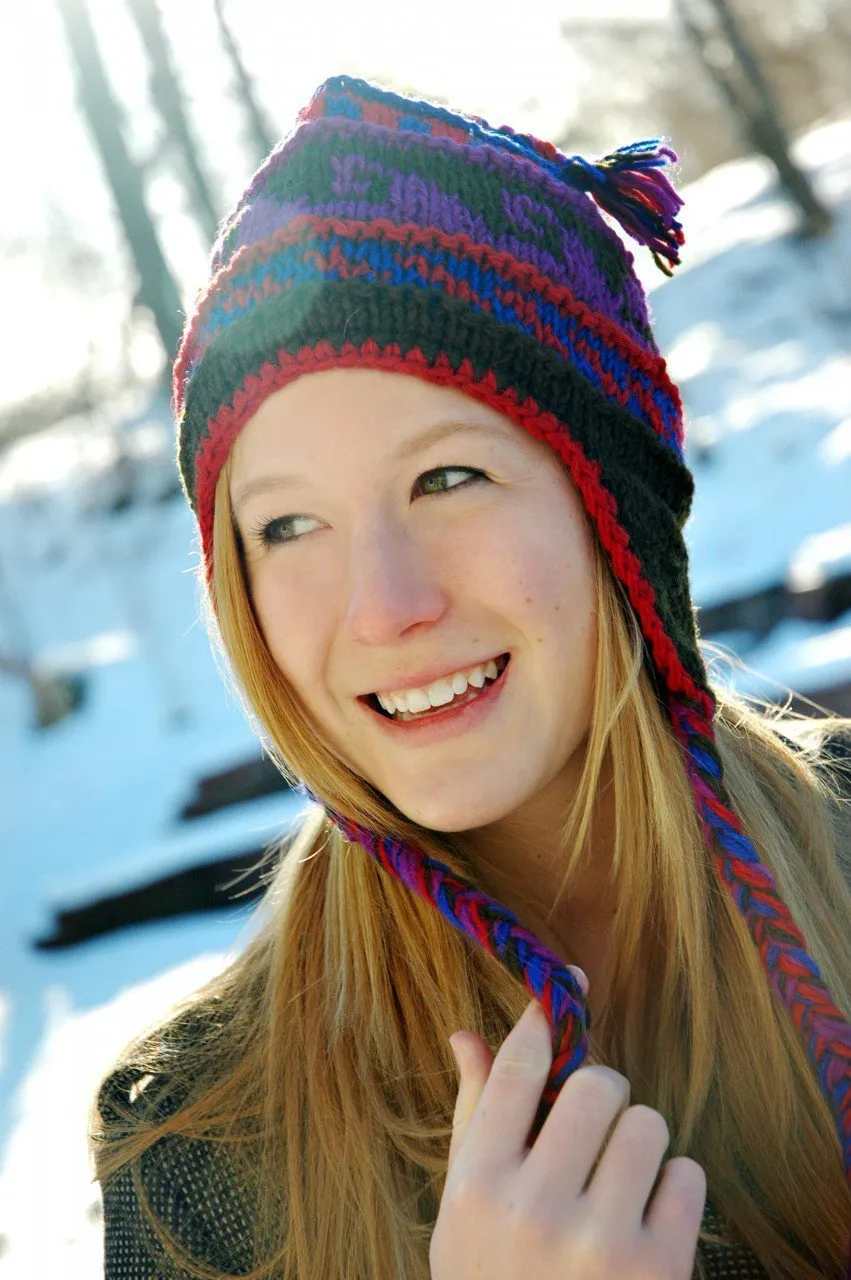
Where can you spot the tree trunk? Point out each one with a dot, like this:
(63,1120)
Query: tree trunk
(262,139)
(748,94)
(168,100)
(157,288)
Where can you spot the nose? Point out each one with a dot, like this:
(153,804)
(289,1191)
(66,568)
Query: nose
(393,586)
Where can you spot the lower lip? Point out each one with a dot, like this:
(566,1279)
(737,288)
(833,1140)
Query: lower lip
(447,723)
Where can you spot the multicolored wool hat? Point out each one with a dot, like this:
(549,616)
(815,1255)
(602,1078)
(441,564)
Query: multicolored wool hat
(387,233)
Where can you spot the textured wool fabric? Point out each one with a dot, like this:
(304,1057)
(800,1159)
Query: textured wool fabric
(194,1192)
(388,233)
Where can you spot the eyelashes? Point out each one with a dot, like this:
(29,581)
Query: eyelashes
(265,531)
(275,532)
(472,472)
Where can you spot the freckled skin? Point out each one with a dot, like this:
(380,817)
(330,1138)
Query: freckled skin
(385,579)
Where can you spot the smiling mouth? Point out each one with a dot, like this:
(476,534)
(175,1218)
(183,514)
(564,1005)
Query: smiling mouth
(470,694)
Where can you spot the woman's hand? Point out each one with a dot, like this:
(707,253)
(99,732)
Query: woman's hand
(509,1212)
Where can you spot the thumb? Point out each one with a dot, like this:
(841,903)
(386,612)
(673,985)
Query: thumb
(475,1059)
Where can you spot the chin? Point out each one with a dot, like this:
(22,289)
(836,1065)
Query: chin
(456,815)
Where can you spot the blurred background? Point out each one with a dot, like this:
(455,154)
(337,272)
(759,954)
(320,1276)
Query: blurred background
(134,802)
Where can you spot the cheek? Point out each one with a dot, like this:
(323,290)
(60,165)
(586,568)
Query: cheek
(555,571)
(291,626)
(559,592)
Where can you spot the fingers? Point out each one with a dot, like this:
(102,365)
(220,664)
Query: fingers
(474,1059)
(506,1107)
(589,1103)
(508,1085)
(676,1211)
(591,1180)
(629,1166)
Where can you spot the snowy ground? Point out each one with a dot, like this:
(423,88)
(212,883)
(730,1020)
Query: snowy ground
(759,336)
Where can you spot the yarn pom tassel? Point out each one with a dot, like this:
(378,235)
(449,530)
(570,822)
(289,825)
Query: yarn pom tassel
(630,186)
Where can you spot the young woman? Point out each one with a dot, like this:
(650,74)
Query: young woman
(437,466)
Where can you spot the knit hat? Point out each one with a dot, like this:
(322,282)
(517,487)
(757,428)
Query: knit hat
(388,233)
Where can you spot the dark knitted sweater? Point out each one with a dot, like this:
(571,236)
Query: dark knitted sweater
(192,1188)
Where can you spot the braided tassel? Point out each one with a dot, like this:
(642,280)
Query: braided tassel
(792,972)
(629,185)
(497,929)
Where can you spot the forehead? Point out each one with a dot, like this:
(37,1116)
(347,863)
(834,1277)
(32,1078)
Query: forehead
(352,414)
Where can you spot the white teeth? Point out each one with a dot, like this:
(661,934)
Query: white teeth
(440,692)
(417,700)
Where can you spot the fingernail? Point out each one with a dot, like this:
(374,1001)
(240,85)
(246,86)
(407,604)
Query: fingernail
(455,1051)
(581,977)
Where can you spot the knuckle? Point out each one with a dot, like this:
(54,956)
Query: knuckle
(467,1197)
(647,1124)
(535,1233)
(527,1061)
(686,1178)
(591,1255)
(598,1085)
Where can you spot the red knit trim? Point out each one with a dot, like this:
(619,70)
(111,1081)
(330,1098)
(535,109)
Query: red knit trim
(524,275)
(599,502)
(513,295)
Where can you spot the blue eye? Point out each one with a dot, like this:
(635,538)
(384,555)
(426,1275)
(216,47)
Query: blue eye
(274,532)
(428,476)
(277,532)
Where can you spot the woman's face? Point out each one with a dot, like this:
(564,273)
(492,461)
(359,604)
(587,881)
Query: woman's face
(396,533)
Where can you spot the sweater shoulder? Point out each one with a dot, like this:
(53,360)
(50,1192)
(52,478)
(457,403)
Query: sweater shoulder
(184,1188)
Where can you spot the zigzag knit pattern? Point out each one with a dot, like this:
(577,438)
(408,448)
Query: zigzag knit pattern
(312,250)
(497,929)
(391,234)
(793,974)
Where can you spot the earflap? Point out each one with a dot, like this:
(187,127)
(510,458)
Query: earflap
(791,971)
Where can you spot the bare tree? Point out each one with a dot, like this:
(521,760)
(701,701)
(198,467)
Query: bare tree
(168,99)
(719,40)
(157,288)
(260,133)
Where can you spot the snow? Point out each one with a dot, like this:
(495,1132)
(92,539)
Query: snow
(89,806)
(76,1049)
(797,655)
(757,329)
(820,558)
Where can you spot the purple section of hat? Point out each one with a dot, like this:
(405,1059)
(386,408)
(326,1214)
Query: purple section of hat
(266,215)
(528,186)
(414,200)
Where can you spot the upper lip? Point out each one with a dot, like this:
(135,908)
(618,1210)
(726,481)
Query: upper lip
(422,679)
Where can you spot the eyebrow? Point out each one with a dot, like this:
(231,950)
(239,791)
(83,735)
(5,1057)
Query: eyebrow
(434,434)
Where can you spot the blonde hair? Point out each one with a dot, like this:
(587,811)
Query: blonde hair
(319,1063)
